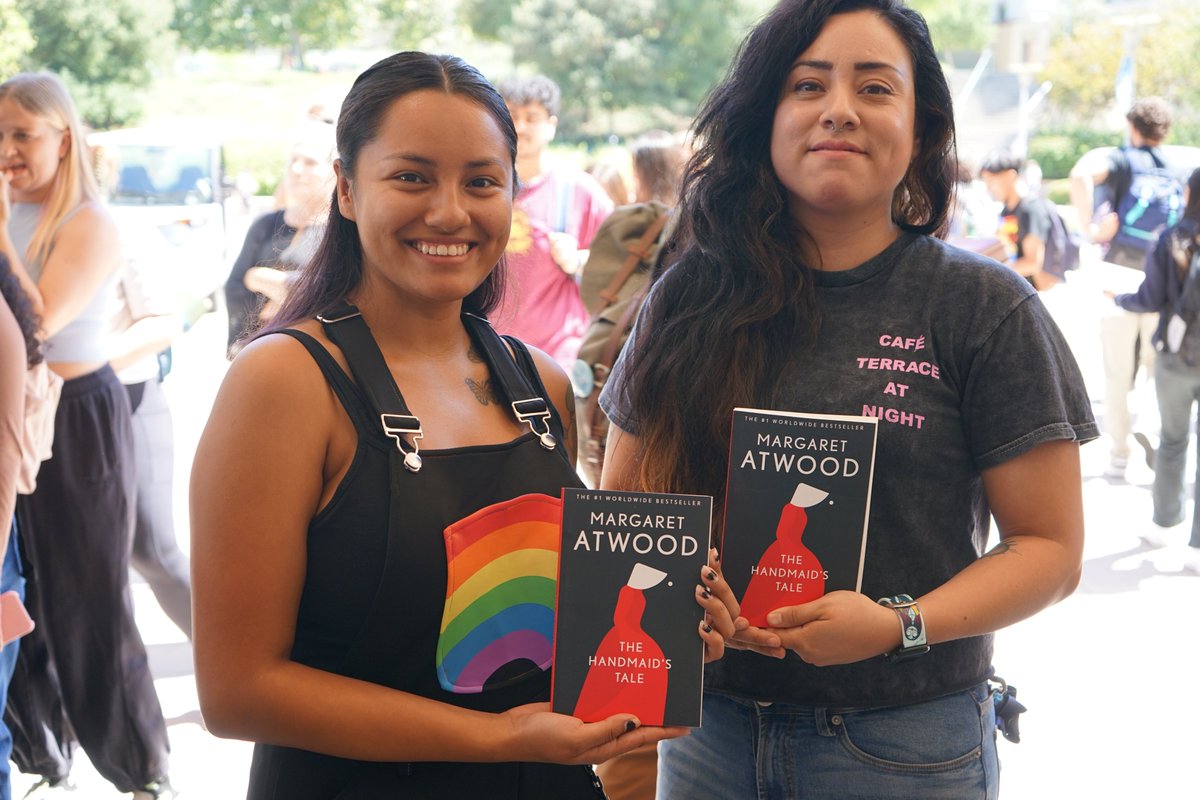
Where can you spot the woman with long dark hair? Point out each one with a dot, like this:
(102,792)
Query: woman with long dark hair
(807,270)
(1177,367)
(353,441)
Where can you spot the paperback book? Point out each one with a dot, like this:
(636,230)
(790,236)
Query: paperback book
(798,498)
(626,630)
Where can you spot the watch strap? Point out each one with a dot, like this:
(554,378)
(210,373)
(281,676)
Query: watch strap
(912,627)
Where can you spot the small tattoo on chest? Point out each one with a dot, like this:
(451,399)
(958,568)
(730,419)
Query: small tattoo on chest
(484,392)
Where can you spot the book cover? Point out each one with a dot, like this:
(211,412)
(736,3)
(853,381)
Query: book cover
(797,504)
(625,636)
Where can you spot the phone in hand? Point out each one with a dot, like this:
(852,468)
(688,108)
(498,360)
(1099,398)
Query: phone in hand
(15,621)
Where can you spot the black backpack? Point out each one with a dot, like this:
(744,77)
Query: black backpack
(1062,245)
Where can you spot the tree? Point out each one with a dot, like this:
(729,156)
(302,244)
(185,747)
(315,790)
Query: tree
(1083,63)
(104,52)
(616,54)
(293,26)
(956,25)
(487,19)
(16,41)
(414,21)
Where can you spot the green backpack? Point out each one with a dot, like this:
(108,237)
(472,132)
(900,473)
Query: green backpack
(613,284)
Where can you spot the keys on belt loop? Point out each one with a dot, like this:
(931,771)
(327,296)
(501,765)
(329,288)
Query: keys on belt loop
(397,426)
(532,409)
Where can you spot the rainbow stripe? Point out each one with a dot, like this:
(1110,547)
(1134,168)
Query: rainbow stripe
(501,573)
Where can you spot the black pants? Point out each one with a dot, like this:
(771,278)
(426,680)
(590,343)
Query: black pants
(83,674)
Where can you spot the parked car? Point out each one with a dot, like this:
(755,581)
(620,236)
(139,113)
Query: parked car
(173,182)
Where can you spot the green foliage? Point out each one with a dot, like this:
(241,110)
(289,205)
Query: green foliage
(1057,191)
(956,25)
(1083,63)
(487,19)
(104,52)
(262,159)
(16,40)
(293,26)
(616,54)
(1057,151)
(413,22)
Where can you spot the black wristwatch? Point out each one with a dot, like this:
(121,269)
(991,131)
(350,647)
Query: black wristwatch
(912,628)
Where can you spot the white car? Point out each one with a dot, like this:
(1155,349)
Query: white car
(173,182)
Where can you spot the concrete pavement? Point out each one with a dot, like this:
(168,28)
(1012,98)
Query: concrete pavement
(1106,674)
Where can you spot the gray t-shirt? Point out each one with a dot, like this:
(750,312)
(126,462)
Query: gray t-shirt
(962,364)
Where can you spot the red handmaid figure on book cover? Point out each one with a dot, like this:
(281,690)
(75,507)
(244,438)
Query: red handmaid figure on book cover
(628,673)
(788,573)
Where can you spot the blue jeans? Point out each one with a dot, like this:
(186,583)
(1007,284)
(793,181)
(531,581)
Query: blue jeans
(10,578)
(1178,388)
(942,749)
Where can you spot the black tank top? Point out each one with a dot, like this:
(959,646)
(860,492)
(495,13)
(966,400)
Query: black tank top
(372,604)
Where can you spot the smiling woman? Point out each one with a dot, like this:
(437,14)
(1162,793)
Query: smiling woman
(376,411)
(844,131)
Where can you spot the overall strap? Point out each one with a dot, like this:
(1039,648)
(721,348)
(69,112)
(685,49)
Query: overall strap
(346,328)
(351,398)
(528,406)
(529,369)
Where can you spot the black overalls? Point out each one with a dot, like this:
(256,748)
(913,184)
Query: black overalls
(373,598)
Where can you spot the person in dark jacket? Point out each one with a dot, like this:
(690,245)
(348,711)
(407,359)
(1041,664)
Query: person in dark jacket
(1176,370)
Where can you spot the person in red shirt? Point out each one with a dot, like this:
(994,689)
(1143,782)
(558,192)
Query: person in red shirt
(556,214)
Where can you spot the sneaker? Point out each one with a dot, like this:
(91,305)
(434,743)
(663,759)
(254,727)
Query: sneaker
(160,789)
(1155,537)
(1144,440)
(49,787)
(1191,562)
(1116,468)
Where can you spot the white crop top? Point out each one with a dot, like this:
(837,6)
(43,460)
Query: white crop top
(83,337)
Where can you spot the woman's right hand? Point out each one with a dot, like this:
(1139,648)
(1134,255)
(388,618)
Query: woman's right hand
(539,734)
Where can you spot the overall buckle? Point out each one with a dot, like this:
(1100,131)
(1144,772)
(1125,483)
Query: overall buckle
(535,408)
(397,426)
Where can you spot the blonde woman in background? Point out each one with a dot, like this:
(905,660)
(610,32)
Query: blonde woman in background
(83,674)
(280,242)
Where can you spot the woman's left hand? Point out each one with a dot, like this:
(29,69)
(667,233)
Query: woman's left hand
(723,623)
(720,609)
(840,628)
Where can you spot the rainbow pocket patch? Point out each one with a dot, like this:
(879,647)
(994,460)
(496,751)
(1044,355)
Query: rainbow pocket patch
(501,572)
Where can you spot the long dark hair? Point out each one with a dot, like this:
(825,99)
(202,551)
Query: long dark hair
(22,309)
(739,302)
(336,268)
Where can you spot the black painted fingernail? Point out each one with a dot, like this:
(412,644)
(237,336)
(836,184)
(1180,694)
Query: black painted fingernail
(707,628)
(704,592)
(629,725)
(712,576)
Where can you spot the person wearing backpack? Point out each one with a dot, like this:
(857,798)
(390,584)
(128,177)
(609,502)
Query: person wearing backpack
(1144,197)
(1030,226)
(624,256)
(558,210)
(1172,288)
